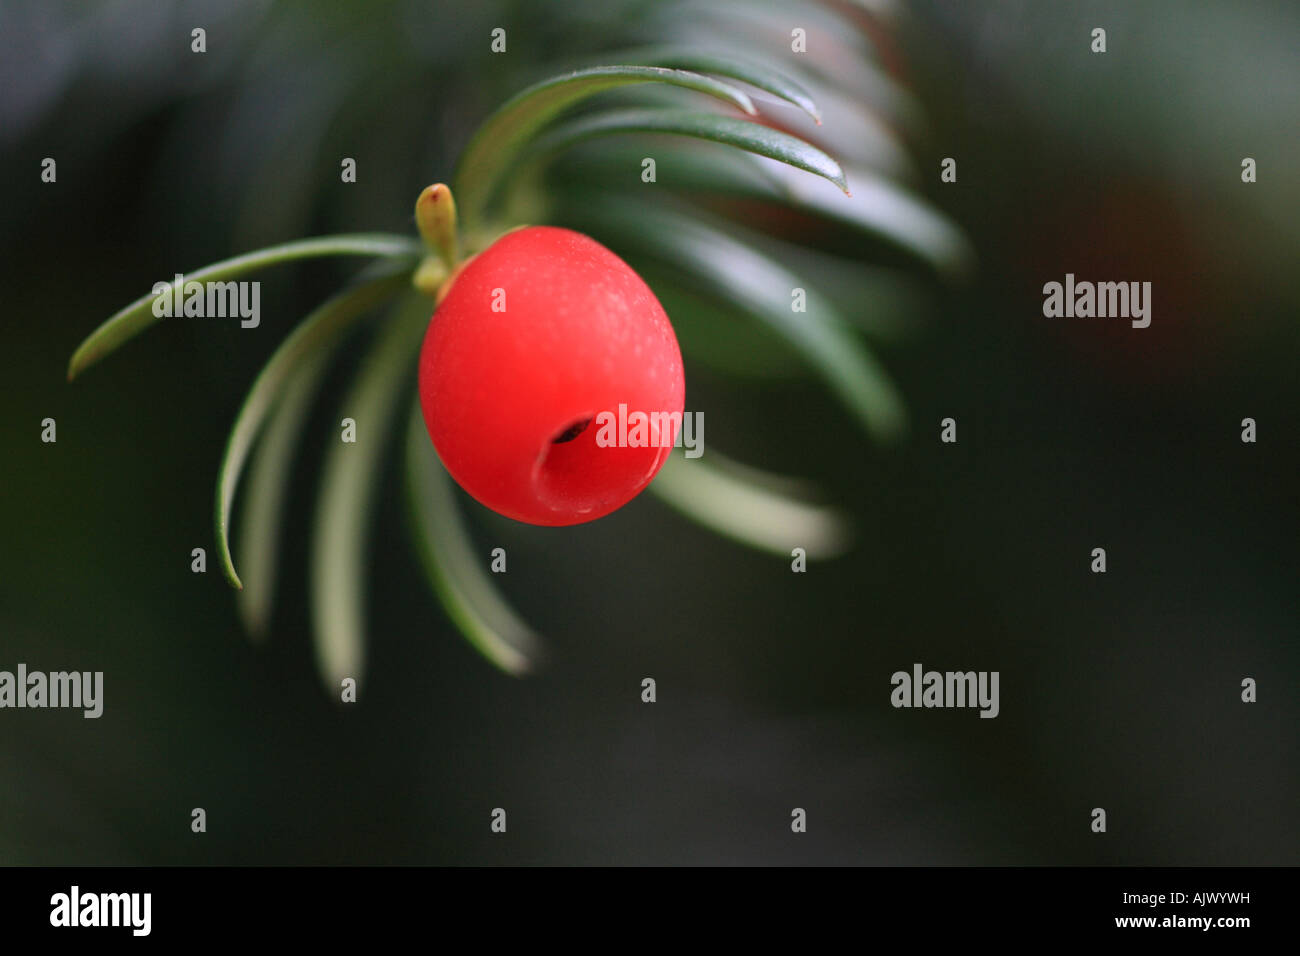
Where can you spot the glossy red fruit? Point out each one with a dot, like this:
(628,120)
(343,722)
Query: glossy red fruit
(536,337)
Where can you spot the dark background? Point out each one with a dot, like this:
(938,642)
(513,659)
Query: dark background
(1119,691)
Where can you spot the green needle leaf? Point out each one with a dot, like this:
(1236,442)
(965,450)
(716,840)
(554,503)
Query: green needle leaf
(763,287)
(761,77)
(454,570)
(880,208)
(752,507)
(264,496)
(139,315)
(301,358)
(347,495)
(684,165)
(743,134)
(498,141)
(885,209)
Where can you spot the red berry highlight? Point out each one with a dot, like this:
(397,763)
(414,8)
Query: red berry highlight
(534,347)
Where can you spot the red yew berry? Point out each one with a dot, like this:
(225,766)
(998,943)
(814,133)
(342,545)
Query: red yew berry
(540,347)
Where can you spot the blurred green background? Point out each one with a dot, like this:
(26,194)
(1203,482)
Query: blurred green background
(1119,691)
